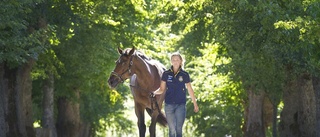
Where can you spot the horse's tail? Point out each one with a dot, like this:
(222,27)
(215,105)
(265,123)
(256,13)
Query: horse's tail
(162,120)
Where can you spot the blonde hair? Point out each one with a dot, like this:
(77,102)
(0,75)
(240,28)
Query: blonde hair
(180,56)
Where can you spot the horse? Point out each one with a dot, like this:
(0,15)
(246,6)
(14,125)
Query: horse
(145,76)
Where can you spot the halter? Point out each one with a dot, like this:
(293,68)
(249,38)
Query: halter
(127,70)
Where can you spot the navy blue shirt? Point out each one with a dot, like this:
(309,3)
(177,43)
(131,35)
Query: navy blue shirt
(176,86)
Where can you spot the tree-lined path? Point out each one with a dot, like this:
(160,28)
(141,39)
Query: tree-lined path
(255,64)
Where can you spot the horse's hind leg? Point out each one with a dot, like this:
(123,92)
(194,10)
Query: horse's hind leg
(152,128)
(140,115)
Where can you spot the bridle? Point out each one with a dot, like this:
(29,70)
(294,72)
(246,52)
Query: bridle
(127,70)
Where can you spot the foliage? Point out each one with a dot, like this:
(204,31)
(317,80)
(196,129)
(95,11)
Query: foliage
(83,45)
(262,40)
(19,40)
(228,46)
(247,32)
(221,100)
(307,32)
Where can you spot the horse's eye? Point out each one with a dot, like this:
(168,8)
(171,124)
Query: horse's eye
(123,63)
(120,62)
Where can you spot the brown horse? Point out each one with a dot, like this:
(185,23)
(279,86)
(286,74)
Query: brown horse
(145,75)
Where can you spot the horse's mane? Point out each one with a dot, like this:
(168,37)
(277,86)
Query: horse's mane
(149,60)
(143,56)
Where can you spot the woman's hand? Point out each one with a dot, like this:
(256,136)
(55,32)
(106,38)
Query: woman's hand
(196,108)
(152,95)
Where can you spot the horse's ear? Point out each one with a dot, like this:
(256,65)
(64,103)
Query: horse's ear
(120,50)
(131,51)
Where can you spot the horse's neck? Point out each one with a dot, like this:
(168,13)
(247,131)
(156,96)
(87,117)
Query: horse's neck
(147,76)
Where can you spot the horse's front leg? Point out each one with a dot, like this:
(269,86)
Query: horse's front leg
(139,110)
(152,128)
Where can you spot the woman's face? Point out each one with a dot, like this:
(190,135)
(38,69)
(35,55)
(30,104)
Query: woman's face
(176,61)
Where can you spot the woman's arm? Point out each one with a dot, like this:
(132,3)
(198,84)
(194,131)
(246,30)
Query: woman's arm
(162,88)
(193,98)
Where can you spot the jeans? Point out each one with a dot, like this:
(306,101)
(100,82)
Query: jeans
(175,114)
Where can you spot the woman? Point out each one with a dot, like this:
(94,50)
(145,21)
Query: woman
(175,81)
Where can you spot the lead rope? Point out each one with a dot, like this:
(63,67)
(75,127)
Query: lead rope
(153,99)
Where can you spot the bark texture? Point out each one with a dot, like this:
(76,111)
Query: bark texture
(298,115)
(255,121)
(69,124)
(3,102)
(48,121)
(316,88)
(16,101)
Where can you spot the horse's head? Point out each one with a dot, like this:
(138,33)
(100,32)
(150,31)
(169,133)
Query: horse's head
(122,71)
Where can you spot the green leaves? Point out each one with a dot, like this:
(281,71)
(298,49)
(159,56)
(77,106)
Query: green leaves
(228,45)
(220,100)
(20,40)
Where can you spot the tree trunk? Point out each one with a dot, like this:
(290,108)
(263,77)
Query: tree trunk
(24,99)
(308,118)
(16,101)
(85,130)
(48,106)
(298,115)
(255,124)
(3,102)
(316,88)
(68,124)
(274,120)
(268,110)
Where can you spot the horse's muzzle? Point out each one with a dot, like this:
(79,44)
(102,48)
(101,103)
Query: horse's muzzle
(113,81)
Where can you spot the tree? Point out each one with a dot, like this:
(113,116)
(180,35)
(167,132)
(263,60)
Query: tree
(85,34)
(247,34)
(21,42)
